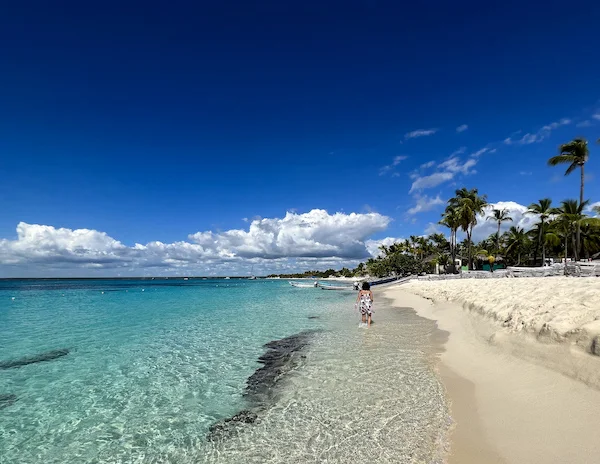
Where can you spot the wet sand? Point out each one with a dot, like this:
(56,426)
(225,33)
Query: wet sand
(509,402)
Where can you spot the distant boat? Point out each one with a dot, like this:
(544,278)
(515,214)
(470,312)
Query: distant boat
(227,278)
(185,278)
(304,284)
(335,287)
(252,276)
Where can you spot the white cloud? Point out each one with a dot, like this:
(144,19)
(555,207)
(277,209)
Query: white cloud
(525,173)
(585,123)
(480,152)
(447,171)
(460,151)
(433,228)
(428,165)
(538,136)
(430,181)
(384,170)
(596,116)
(516,211)
(373,245)
(590,208)
(42,249)
(454,165)
(462,128)
(419,133)
(395,162)
(425,203)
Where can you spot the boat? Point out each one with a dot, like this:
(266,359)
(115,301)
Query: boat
(336,287)
(227,278)
(185,278)
(304,284)
(252,276)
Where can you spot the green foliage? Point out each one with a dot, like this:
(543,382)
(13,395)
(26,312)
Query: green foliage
(563,231)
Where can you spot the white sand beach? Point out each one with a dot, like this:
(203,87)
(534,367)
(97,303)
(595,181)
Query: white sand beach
(518,365)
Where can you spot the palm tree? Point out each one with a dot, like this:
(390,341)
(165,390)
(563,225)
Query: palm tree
(571,218)
(516,241)
(575,154)
(468,204)
(500,216)
(542,209)
(451,220)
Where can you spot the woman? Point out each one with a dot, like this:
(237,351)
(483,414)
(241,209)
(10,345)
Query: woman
(365,302)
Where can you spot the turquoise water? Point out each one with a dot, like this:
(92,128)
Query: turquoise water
(154,363)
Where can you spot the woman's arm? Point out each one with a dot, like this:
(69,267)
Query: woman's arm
(372,299)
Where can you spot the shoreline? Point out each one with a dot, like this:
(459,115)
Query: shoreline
(509,403)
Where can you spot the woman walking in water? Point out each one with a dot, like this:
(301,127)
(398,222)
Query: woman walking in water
(365,302)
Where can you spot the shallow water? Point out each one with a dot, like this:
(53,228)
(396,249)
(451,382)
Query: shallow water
(153,365)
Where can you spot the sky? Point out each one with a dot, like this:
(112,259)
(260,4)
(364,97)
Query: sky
(197,138)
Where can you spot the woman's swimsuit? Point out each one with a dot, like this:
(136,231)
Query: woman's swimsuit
(366,304)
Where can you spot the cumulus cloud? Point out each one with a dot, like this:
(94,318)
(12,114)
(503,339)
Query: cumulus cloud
(425,203)
(538,136)
(462,128)
(316,235)
(516,211)
(419,133)
(373,245)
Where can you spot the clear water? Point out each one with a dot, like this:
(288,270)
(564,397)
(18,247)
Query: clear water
(153,364)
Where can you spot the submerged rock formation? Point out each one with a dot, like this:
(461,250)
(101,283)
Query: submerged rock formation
(7,400)
(280,358)
(47,356)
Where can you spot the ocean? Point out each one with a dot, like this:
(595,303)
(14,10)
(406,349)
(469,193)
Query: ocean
(179,371)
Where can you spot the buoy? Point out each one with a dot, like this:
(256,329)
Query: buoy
(13,298)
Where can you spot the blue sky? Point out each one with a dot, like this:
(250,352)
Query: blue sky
(153,122)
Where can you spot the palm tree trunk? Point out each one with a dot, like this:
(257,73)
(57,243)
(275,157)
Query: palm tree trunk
(566,251)
(578,238)
(543,253)
(498,237)
(453,250)
(537,246)
(469,266)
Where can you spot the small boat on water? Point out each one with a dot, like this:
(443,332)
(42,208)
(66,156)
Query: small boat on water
(336,287)
(252,276)
(304,284)
(185,278)
(227,278)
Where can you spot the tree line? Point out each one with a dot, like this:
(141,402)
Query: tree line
(563,230)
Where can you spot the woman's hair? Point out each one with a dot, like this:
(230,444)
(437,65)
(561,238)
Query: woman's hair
(366,286)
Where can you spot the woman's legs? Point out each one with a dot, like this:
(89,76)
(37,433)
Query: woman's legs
(369,323)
